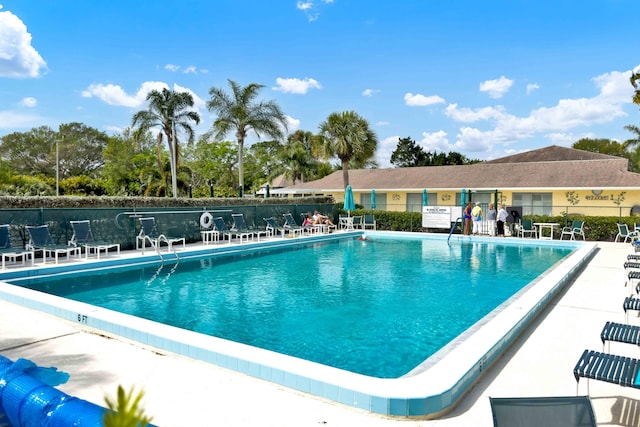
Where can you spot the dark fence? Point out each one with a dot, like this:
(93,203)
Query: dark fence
(121,225)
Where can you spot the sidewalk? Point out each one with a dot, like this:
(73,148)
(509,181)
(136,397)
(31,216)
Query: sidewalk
(180,391)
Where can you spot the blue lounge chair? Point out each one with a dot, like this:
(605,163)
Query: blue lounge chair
(222,229)
(240,225)
(564,411)
(83,236)
(618,332)
(369,221)
(8,251)
(149,233)
(291,225)
(273,228)
(40,240)
(607,367)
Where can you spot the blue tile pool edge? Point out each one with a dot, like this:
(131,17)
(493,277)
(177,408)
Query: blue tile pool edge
(428,394)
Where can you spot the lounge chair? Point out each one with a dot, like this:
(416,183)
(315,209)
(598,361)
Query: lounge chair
(291,225)
(618,332)
(83,236)
(623,232)
(576,229)
(222,229)
(607,367)
(527,227)
(8,251)
(149,233)
(630,304)
(241,228)
(273,228)
(369,221)
(40,240)
(542,411)
(358,222)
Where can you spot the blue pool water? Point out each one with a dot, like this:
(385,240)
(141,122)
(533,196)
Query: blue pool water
(378,308)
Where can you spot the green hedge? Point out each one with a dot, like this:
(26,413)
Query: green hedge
(596,228)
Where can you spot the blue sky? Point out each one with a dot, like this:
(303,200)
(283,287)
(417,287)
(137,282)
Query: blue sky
(486,79)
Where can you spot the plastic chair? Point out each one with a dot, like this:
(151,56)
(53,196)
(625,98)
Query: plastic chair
(83,236)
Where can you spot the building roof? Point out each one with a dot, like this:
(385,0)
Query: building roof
(599,172)
(555,153)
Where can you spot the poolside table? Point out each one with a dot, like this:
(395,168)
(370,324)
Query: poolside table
(542,225)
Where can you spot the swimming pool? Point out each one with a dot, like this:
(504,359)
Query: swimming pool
(427,390)
(320,302)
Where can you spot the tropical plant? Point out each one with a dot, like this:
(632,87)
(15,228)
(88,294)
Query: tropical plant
(348,137)
(125,410)
(169,111)
(241,113)
(635,82)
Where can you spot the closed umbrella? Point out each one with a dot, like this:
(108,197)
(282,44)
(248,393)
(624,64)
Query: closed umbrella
(349,204)
(425,199)
(373,199)
(463,198)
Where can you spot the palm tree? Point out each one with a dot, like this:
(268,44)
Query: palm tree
(348,137)
(635,82)
(240,112)
(167,111)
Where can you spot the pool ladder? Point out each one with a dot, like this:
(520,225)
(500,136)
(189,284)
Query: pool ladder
(459,219)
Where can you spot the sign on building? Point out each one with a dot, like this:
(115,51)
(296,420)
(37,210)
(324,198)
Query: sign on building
(440,216)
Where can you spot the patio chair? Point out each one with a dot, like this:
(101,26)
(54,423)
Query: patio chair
(619,332)
(291,225)
(8,251)
(607,367)
(149,233)
(623,232)
(527,227)
(240,226)
(542,411)
(83,236)
(272,227)
(222,229)
(576,229)
(40,240)
(358,222)
(369,221)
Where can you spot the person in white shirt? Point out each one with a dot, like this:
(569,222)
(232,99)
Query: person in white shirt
(501,219)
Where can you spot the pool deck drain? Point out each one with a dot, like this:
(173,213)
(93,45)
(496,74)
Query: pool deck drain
(180,391)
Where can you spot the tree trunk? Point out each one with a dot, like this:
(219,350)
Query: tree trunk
(240,166)
(345,172)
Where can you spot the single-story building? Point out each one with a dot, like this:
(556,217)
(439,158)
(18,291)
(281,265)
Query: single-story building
(547,181)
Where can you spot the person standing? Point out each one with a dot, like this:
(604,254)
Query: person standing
(466,215)
(491,220)
(501,219)
(476,217)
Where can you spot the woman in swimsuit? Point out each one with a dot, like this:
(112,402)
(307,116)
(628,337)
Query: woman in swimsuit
(467,218)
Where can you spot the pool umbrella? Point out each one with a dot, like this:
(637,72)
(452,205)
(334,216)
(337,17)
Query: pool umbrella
(462,198)
(425,199)
(373,199)
(349,204)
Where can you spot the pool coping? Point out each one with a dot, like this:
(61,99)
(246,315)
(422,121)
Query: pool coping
(428,393)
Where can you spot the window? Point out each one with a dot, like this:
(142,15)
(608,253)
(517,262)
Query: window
(533,203)
(381,201)
(414,201)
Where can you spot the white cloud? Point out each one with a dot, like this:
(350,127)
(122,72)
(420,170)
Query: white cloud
(312,8)
(468,115)
(369,92)
(292,124)
(172,67)
(296,86)
(29,102)
(382,123)
(531,87)
(18,59)
(198,103)
(10,120)
(496,88)
(386,147)
(191,69)
(436,141)
(115,95)
(418,100)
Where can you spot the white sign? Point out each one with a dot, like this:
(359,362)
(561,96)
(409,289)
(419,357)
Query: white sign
(440,216)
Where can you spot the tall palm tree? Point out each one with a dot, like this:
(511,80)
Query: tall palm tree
(348,137)
(240,112)
(635,82)
(168,110)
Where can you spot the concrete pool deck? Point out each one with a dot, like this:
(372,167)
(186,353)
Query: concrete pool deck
(180,391)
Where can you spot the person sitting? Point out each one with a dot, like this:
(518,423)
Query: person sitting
(308,221)
(321,219)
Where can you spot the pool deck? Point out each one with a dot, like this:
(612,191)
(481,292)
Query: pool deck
(180,391)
